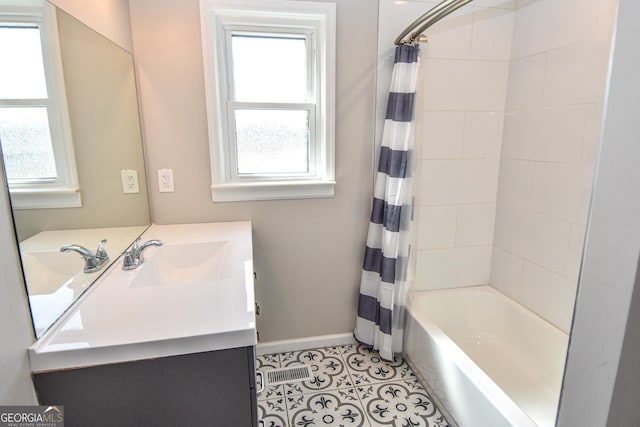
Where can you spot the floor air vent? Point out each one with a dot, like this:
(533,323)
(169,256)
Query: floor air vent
(288,375)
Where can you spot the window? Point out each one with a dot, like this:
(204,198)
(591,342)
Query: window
(269,74)
(35,134)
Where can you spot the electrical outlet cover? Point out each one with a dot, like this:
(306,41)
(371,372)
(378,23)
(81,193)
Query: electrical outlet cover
(165,180)
(129,181)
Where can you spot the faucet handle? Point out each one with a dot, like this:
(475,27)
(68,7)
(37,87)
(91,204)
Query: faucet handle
(101,252)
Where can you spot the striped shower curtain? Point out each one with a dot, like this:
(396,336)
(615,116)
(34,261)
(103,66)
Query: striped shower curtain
(383,284)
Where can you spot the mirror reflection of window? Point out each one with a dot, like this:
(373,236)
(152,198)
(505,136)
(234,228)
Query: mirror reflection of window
(34,119)
(24,126)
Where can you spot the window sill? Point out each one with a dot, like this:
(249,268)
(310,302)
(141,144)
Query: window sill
(237,192)
(43,199)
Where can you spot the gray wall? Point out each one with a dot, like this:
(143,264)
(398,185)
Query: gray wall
(308,253)
(624,409)
(16,333)
(108,17)
(599,352)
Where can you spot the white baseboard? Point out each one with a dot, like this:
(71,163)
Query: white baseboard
(304,343)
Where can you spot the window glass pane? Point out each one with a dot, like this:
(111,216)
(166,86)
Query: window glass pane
(272,141)
(22,70)
(269,68)
(26,143)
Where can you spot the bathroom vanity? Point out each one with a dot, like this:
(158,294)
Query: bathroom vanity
(171,342)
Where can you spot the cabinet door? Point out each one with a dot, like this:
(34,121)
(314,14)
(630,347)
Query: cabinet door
(251,356)
(204,389)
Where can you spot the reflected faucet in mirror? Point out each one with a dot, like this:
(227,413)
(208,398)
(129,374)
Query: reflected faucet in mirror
(134,257)
(92,261)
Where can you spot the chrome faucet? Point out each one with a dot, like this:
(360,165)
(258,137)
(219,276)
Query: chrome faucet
(134,257)
(92,261)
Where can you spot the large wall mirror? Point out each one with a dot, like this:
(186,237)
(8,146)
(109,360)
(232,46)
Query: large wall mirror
(104,127)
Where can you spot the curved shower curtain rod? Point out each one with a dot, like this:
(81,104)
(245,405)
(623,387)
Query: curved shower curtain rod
(412,33)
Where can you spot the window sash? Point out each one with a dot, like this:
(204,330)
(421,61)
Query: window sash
(313,147)
(307,34)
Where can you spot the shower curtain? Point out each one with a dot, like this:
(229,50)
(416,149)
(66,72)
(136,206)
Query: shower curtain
(381,305)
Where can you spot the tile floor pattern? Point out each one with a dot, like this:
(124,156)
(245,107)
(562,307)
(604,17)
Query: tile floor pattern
(352,387)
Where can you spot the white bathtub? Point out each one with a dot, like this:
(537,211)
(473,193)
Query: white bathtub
(488,360)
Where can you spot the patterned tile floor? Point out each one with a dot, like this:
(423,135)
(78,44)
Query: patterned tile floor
(352,387)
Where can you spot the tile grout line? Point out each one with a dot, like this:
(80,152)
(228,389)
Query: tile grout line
(355,389)
(282,388)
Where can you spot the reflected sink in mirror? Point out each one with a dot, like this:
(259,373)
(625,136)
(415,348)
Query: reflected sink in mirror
(47,271)
(183,264)
(53,279)
(56,279)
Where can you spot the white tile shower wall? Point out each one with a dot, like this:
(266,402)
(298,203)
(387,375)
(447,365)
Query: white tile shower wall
(464,76)
(511,100)
(556,88)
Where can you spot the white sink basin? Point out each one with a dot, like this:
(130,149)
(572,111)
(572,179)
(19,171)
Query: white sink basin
(184,264)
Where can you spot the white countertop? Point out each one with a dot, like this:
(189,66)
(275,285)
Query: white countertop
(116,322)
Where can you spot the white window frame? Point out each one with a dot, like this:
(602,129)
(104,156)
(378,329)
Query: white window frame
(220,19)
(64,191)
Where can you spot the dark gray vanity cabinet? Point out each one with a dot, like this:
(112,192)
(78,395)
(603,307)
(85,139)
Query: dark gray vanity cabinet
(214,388)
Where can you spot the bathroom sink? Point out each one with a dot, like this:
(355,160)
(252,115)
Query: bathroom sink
(47,271)
(183,264)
